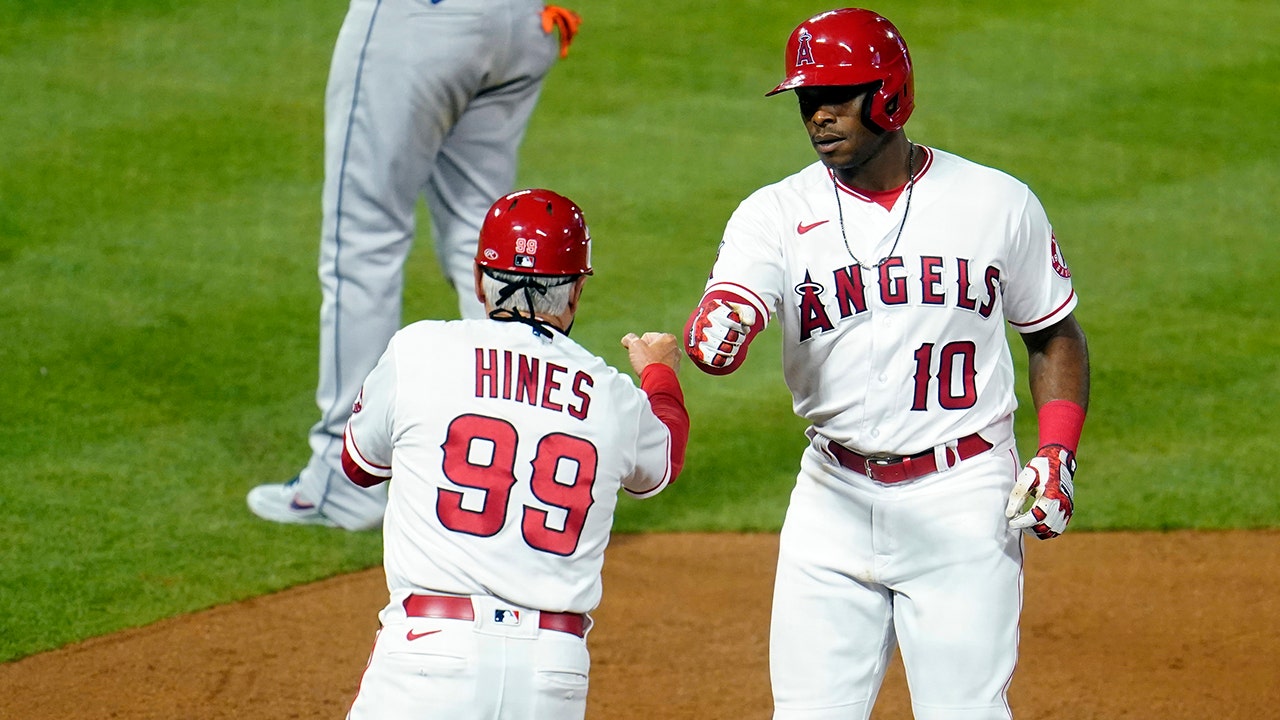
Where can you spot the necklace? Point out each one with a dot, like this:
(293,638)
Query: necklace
(911,184)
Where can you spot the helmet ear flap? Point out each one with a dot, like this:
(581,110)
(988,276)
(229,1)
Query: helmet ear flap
(887,108)
(875,111)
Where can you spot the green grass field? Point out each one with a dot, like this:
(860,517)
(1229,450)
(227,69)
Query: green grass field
(159,211)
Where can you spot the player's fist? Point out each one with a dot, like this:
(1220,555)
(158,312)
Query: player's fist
(1041,501)
(718,331)
(650,348)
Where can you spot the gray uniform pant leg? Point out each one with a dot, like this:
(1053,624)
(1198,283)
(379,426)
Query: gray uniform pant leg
(410,86)
(477,162)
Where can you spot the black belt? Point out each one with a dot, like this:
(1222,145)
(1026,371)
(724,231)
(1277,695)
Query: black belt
(891,469)
(459,608)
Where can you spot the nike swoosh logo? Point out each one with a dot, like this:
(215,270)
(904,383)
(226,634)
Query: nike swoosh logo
(802,228)
(411,635)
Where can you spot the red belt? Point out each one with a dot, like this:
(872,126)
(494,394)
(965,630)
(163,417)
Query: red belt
(459,608)
(891,469)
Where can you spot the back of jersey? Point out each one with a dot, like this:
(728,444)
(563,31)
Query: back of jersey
(507,450)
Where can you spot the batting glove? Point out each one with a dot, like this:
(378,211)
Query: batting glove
(718,330)
(1041,501)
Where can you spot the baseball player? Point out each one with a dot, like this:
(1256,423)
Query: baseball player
(506,444)
(424,98)
(893,269)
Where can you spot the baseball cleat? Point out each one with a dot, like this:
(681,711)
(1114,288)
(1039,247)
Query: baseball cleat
(280,502)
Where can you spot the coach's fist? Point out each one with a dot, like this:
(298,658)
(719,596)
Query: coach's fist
(650,348)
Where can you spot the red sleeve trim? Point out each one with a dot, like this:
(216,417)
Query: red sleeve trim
(740,293)
(1070,298)
(667,401)
(356,473)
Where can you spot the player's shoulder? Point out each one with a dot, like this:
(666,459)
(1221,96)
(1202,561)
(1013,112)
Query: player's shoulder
(814,175)
(438,333)
(796,189)
(585,359)
(956,171)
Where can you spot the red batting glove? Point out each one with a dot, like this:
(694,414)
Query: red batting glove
(1041,501)
(717,331)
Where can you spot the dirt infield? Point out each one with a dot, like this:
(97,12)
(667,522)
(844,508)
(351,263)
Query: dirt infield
(1176,626)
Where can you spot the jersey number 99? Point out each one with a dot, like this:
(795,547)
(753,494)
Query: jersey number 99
(496,477)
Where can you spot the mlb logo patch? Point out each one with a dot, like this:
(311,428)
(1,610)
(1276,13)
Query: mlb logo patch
(506,617)
(524,261)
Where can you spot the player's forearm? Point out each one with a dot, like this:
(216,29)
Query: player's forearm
(667,401)
(1058,364)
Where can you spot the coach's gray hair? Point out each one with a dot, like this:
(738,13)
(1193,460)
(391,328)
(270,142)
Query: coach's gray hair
(552,302)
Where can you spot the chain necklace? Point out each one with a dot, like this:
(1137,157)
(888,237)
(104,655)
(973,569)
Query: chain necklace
(911,184)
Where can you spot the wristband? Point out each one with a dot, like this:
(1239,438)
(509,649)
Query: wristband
(1060,423)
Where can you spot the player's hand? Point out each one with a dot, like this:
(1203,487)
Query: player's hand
(1041,501)
(650,348)
(718,331)
(563,19)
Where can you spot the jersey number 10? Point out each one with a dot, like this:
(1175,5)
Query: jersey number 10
(497,477)
(954,357)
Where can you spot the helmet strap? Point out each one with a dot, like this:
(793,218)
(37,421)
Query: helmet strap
(867,100)
(529,285)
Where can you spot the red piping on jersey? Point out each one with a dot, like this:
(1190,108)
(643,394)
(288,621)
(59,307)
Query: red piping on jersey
(747,294)
(1046,317)
(355,472)
(363,459)
(871,196)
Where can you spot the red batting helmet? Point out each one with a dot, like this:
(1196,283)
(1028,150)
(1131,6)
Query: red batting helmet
(535,232)
(854,47)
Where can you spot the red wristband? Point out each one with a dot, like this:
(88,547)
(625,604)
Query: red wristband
(1061,422)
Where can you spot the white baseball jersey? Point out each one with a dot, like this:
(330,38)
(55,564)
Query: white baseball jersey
(912,354)
(506,451)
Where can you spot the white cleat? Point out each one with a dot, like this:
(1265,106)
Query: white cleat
(279,502)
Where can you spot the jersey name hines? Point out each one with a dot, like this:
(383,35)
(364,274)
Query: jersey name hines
(895,289)
(521,378)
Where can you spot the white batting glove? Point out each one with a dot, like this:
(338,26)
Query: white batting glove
(1041,501)
(718,331)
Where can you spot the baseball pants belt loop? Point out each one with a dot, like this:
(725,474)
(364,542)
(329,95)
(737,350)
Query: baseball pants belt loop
(889,469)
(459,608)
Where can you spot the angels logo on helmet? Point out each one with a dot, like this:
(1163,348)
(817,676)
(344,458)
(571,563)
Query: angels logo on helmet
(804,55)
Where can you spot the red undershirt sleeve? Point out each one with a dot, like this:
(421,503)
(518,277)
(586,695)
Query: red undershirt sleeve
(667,401)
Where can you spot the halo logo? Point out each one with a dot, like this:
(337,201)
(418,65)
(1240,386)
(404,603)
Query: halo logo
(804,54)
